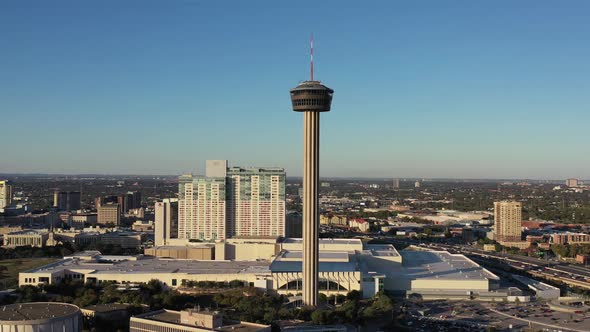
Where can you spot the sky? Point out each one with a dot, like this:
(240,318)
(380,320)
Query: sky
(430,89)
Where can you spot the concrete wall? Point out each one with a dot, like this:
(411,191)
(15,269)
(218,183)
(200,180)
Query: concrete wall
(453,284)
(250,251)
(198,253)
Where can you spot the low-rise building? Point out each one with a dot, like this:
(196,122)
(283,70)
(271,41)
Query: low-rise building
(330,219)
(123,239)
(541,289)
(26,238)
(10,229)
(143,226)
(190,320)
(570,238)
(110,311)
(515,244)
(360,224)
(79,221)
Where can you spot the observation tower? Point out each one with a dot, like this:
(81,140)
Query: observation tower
(312,98)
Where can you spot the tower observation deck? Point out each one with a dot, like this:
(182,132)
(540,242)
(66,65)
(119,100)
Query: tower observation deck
(311,96)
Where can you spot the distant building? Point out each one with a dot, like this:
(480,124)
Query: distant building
(110,311)
(189,320)
(395,183)
(67,200)
(541,289)
(5,193)
(360,224)
(109,213)
(572,182)
(9,229)
(508,219)
(105,200)
(489,247)
(166,221)
(294,224)
(570,238)
(78,221)
(123,239)
(143,226)
(26,238)
(135,213)
(417,184)
(516,244)
(129,201)
(329,219)
(325,184)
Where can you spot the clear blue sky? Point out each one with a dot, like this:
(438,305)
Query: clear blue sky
(465,89)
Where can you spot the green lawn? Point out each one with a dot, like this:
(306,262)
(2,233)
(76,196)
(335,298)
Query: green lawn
(9,269)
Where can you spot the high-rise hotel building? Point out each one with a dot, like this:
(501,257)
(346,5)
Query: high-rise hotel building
(201,208)
(507,221)
(232,202)
(256,202)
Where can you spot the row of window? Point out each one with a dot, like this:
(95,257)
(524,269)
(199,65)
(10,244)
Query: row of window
(311,102)
(310,92)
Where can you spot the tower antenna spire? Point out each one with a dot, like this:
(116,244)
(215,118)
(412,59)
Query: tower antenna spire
(311,69)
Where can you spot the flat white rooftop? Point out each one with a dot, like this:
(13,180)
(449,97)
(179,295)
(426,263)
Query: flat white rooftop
(441,265)
(290,261)
(325,241)
(156,266)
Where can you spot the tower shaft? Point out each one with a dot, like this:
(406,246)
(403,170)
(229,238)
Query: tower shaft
(311,170)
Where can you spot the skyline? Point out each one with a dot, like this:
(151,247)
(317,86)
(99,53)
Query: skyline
(432,91)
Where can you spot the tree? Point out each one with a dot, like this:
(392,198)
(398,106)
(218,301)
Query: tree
(353,295)
(560,250)
(321,317)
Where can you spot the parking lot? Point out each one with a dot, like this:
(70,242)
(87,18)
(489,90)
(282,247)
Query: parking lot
(476,316)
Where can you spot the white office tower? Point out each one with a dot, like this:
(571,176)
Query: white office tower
(166,221)
(5,193)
